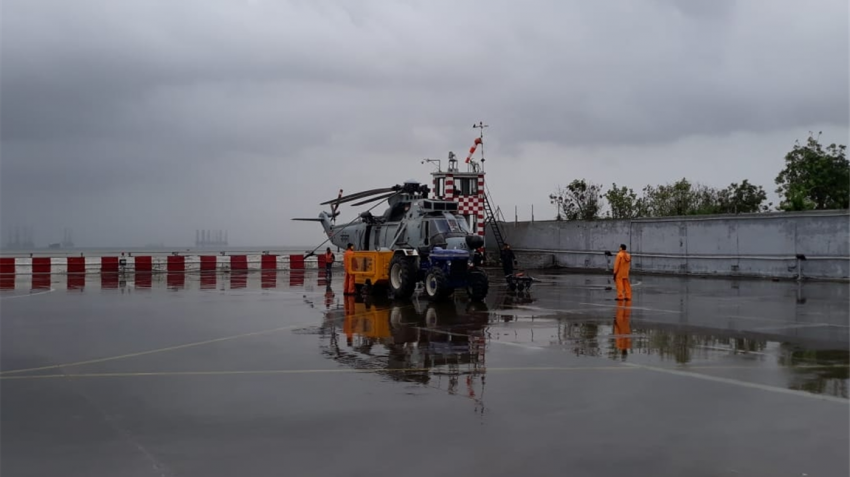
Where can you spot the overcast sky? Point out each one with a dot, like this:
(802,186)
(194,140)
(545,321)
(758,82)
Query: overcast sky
(141,121)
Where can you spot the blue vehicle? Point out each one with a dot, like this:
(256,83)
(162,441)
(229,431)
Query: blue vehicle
(444,271)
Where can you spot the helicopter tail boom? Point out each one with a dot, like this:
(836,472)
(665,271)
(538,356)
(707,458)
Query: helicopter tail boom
(324,218)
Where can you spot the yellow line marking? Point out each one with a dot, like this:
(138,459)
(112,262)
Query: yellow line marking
(305,371)
(163,350)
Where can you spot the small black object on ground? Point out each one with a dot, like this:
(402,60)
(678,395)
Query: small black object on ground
(519,281)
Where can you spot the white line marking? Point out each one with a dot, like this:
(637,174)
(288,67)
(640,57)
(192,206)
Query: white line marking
(27,295)
(763,387)
(518,345)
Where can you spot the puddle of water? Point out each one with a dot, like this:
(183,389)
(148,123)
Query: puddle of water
(454,338)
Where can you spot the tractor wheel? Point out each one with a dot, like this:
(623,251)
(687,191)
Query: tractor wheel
(477,285)
(436,284)
(402,277)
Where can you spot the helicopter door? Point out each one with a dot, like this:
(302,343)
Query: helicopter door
(377,235)
(366,237)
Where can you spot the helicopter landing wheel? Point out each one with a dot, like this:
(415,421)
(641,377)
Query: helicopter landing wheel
(402,277)
(436,284)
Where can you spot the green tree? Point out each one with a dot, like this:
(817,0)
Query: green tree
(580,200)
(680,198)
(742,198)
(815,177)
(624,203)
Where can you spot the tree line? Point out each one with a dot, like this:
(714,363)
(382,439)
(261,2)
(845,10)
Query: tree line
(814,178)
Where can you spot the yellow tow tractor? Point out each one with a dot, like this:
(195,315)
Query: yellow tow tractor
(371,269)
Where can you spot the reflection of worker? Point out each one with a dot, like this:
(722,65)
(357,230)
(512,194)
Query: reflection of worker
(329,296)
(348,324)
(348,261)
(329,261)
(621,274)
(623,329)
(508,260)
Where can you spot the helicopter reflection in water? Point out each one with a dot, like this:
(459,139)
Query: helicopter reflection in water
(440,345)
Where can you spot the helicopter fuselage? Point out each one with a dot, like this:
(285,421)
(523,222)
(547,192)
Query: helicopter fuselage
(406,224)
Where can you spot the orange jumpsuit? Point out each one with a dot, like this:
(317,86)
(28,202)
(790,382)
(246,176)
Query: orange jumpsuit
(621,275)
(348,261)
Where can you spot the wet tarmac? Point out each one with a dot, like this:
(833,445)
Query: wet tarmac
(277,373)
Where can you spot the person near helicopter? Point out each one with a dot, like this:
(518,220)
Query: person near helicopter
(329,261)
(508,260)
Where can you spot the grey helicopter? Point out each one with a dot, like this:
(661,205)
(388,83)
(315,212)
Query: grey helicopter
(430,243)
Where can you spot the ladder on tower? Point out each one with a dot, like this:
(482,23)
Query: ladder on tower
(491,217)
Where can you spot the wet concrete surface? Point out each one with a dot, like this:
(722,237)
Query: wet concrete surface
(278,374)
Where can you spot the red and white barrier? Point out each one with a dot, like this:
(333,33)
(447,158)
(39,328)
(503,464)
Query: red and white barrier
(158,263)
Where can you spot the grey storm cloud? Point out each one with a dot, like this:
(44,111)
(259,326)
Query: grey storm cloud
(102,100)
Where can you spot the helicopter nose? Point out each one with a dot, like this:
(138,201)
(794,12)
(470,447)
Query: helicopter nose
(474,241)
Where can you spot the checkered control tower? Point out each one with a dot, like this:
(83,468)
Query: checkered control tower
(467,188)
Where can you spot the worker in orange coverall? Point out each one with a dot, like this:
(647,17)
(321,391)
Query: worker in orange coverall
(348,261)
(621,274)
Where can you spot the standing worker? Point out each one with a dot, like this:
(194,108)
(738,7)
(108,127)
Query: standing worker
(508,260)
(348,262)
(329,261)
(621,274)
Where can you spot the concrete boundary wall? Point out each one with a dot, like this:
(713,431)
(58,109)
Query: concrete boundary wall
(747,245)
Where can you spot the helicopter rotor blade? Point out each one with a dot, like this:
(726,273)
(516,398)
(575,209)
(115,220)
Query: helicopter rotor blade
(358,195)
(373,199)
(334,207)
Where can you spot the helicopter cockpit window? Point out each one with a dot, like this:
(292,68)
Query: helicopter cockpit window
(464,226)
(449,224)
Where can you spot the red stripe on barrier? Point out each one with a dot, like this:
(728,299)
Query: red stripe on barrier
(109,264)
(208,263)
(41,265)
(144,264)
(76,265)
(176,263)
(296,262)
(269,262)
(239,262)
(322,261)
(7,265)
